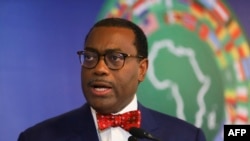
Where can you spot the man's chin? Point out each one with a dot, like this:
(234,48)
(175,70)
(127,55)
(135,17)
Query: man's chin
(103,108)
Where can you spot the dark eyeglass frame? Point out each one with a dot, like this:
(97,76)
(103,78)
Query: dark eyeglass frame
(124,55)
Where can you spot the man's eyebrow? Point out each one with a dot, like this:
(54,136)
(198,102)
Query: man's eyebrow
(113,50)
(88,48)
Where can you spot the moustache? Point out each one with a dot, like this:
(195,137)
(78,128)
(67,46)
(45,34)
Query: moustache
(98,80)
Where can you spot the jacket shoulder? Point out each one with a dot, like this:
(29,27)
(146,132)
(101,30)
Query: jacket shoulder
(61,126)
(167,127)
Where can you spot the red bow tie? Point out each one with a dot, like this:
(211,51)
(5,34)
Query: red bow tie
(125,121)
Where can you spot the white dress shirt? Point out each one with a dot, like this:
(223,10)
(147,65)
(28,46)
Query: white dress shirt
(115,133)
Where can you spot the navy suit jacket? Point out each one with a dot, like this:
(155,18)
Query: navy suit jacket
(78,125)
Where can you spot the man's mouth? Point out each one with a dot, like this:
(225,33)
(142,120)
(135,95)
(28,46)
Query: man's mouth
(100,91)
(100,88)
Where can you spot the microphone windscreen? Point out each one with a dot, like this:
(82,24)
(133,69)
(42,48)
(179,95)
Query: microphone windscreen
(141,133)
(137,132)
(132,138)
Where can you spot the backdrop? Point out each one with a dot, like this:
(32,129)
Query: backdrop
(199,60)
(40,71)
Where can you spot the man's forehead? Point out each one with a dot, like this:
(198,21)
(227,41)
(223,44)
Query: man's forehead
(102,39)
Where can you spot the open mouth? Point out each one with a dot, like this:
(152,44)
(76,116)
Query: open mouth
(100,88)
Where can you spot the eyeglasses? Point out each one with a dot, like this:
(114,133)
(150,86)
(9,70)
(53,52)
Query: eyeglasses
(114,60)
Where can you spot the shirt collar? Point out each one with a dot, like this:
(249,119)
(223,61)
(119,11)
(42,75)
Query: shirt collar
(133,105)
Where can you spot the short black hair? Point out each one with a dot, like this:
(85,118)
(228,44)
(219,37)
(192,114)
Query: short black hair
(140,38)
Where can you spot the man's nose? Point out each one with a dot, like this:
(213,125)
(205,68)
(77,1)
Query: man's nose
(101,67)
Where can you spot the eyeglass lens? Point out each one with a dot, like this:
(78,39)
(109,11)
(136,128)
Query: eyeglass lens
(113,60)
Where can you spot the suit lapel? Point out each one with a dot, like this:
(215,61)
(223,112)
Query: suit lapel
(148,123)
(85,129)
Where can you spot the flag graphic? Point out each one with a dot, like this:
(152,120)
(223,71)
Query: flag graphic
(242,115)
(220,11)
(197,9)
(149,24)
(239,72)
(242,94)
(246,67)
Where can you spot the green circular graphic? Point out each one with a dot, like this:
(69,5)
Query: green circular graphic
(198,60)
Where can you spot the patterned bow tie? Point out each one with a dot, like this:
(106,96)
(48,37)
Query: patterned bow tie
(125,121)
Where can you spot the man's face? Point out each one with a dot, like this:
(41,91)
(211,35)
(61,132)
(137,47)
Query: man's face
(107,90)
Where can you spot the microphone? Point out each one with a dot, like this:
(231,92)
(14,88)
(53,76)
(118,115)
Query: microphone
(141,133)
(132,138)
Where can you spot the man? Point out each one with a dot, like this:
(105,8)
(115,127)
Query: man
(114,62)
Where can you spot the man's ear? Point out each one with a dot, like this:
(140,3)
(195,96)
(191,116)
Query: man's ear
(143,67)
